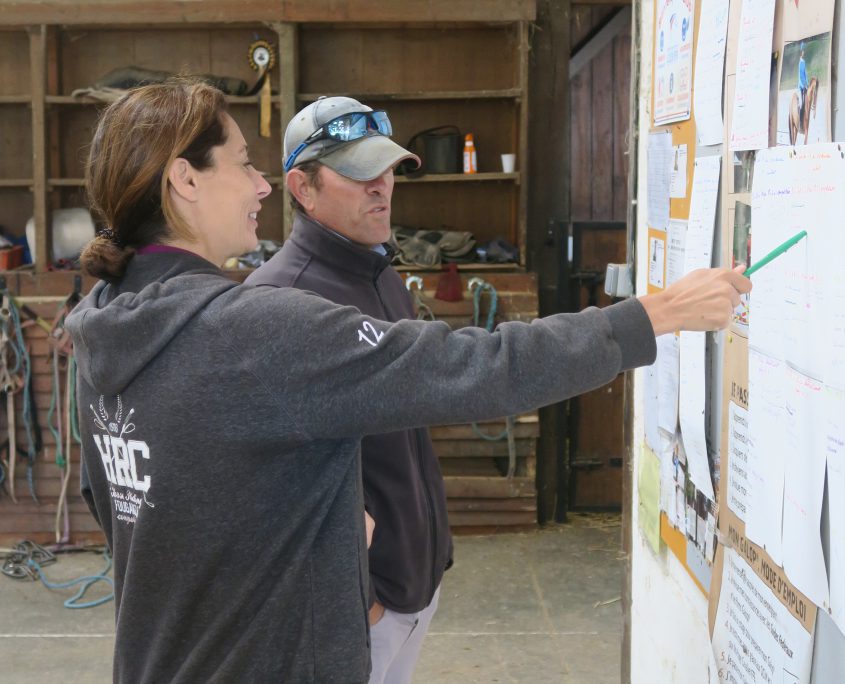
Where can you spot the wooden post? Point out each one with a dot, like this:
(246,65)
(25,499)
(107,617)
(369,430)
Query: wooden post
(628,400)
(288,87)
(548,173)
(38,74)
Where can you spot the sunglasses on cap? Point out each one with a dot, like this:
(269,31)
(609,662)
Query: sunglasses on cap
(345,128)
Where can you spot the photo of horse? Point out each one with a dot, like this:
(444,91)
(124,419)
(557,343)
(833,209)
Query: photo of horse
(803,102)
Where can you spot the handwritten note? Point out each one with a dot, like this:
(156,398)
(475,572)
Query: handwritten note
(750,121)
(709,66)
(698,249)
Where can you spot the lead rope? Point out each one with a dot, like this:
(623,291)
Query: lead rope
(14,340)
(478,286)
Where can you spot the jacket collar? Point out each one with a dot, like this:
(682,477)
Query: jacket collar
(336,251)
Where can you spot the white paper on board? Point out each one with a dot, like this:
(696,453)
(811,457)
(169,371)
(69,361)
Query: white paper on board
(834,438)
(802,430)
(755,637)
(668,381)
(659,178)
(709,67)
(750,121)
(738,482)
(698,248)
(766,456)
(678,183)
(691,404)
(676,238)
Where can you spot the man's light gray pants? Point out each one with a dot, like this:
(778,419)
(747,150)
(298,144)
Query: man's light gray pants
(396,641)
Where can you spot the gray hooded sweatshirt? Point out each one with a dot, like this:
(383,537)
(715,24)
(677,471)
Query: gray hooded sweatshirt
(221,426)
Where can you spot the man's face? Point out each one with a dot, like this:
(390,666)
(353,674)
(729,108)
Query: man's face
(358,210)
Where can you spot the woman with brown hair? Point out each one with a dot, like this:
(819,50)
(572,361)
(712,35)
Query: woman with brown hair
(221,422)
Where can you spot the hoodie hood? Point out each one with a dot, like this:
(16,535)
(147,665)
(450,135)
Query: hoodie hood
(118,329)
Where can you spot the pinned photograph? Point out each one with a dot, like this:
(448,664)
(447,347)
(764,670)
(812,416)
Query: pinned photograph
(804,92)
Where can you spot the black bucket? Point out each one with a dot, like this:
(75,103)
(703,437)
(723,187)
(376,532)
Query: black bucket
(441,151)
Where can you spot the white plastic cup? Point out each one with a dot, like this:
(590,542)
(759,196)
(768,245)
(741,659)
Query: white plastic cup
(508,163)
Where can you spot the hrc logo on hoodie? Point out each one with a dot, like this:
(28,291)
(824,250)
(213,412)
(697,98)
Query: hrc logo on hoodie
(122,459)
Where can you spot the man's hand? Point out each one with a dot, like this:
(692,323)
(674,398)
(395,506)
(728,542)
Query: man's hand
(702,300)
(370,526)
(376,613)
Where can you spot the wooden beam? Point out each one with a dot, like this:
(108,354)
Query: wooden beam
(68,12)
(38,75)
(612,27)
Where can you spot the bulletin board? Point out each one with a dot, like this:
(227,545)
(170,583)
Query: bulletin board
(775,383)
(684,531)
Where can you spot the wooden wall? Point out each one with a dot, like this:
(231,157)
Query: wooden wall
(599,122)
(599,177)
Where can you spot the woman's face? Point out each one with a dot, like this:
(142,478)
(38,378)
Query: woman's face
(229,195)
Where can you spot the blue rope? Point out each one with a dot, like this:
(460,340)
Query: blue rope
(491,321)
(87,582)
(22,359)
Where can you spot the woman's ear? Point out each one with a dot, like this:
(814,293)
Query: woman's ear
(183,181)
(301,188)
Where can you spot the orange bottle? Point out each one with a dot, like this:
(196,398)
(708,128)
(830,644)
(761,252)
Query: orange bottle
(470,162)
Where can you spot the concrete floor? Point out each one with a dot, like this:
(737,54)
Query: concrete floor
(536,607)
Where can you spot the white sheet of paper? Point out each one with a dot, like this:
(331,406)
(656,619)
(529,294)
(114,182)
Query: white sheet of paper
(698,248)
(738,484)
(676,238)
(750,121)
(770,203)
(691,404)
(668,381)
(709,67)
(804,445)
(755,638)
(678,183)
(795,316)
(766,455)
(659,178)
(667,478)
(656,260)
(652,410)
(834,435)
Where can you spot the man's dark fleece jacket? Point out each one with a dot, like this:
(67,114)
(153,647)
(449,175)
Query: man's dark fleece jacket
(403,486)
(221,428)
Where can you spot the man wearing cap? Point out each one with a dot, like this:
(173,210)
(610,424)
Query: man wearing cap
(339,162)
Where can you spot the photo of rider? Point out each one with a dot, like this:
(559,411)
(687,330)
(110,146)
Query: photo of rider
(803,102)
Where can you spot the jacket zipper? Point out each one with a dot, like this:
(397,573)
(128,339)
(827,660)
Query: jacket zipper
(430,508)
(428,503)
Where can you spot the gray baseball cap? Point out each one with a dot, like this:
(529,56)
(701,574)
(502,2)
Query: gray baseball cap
(362,159)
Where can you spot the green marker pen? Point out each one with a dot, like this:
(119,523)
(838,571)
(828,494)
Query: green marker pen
(776,252)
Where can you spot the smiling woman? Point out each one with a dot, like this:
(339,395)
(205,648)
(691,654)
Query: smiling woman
(190,185)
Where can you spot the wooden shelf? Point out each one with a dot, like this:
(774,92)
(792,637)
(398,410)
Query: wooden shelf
(66,182)
(15,99)
(459,177)
(88,100)
(15,182)
(508,93)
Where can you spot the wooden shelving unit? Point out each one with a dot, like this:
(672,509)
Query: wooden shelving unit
(461,63)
